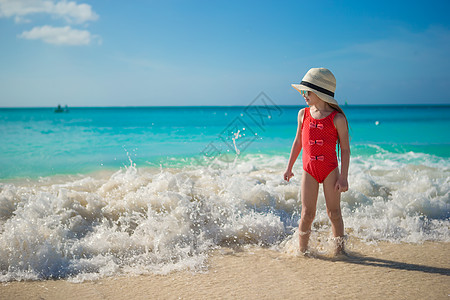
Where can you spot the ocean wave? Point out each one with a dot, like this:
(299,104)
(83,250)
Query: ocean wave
(157,220)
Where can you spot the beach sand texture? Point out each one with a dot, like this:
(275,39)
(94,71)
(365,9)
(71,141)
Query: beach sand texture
(381,271)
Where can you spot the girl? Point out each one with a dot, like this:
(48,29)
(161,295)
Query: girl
(320,127)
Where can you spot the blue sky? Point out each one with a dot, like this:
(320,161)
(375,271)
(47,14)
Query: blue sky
(144,53)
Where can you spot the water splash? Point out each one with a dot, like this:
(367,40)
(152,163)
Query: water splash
(157,220)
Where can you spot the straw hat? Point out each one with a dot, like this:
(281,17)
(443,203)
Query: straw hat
(320,81)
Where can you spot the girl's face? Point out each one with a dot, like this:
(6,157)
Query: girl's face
(311,99)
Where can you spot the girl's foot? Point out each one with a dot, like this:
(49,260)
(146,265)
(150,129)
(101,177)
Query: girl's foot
(303,239)
(339,245)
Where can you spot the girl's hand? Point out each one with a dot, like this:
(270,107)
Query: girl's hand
(287,175)
(341,184)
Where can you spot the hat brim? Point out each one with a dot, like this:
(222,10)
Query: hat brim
(322,96)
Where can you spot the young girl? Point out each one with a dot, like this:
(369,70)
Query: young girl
(320,127)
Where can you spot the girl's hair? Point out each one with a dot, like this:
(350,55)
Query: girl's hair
(339,109)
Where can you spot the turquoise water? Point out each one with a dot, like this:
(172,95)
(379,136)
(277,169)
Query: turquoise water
(100,192)
(39,142)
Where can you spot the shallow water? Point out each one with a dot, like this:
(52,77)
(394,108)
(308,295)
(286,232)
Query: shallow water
(39,142)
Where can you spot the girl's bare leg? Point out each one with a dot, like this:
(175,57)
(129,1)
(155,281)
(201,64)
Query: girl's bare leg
(309,193)
(333,202)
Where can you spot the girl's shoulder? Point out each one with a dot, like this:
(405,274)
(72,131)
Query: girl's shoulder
(339,120)
(301,113)
(339,117)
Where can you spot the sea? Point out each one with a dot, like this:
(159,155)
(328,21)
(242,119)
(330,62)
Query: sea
(96,192)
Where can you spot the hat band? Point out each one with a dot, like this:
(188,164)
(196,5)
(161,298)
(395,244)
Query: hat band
(317,88)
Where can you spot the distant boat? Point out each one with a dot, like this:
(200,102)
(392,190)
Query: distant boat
(59,109)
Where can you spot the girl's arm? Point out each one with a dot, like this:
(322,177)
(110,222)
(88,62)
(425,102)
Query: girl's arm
(296,147)
(341,126)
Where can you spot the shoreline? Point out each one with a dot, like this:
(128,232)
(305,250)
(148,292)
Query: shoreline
(383,270)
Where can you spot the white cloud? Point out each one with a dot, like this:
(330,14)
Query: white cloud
(78,13)
(59,35)
(69,11)
(21,20)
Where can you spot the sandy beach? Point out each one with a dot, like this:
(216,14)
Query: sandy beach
(381,271)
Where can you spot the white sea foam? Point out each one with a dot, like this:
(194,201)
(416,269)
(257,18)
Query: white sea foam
(140,220)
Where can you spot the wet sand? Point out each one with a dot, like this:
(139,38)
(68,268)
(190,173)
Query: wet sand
(381,271)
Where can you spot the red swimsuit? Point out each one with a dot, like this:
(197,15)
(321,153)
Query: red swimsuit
(319,138)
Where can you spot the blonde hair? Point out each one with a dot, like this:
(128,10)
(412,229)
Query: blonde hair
(339,109)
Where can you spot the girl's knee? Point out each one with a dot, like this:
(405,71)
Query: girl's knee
(308,216)
(334,214)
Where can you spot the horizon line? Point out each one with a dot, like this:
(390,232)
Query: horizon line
(178,106)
